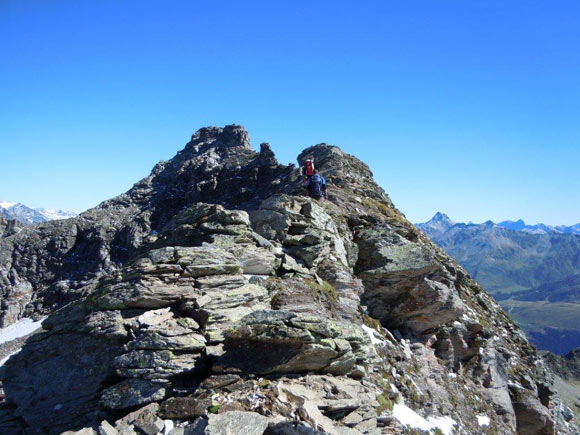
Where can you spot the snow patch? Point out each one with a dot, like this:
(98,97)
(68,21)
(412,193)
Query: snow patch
(407,417)
(373,336)
(19,329)
(483,420)
(168,426)
(444,424)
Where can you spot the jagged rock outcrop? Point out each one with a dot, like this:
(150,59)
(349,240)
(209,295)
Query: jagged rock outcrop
(8,227)
(214,296)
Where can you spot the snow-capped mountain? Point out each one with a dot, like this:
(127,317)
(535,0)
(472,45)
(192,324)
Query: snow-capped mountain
(28,215)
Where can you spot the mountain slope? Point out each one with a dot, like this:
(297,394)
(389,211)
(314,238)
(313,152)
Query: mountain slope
(214,286)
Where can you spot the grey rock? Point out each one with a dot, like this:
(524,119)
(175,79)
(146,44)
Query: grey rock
(144,419)
(532,417)
(105,428)
(295,344)
(290,428)
(68,380)
(184,408)
(130,393)
(234,422)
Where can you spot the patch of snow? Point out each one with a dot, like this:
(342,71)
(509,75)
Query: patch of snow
(407,417)
(483,420)
(168,426)
(444,424)
(452,375)
(19,329)
(3,360)
(373,336)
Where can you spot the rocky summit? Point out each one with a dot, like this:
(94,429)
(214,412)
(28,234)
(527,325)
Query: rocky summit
(215,298)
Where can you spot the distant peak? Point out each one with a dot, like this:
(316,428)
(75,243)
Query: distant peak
(438,224)
(440,217)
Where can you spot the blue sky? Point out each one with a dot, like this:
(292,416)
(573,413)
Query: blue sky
(471,108)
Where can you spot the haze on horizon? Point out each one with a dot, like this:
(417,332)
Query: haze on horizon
(464,108)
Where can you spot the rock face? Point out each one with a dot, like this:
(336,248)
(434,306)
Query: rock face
(214,296)
(566,371)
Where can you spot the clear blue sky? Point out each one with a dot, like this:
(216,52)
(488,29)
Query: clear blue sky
(471,108)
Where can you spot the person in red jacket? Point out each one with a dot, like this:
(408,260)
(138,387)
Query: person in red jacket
(309,167)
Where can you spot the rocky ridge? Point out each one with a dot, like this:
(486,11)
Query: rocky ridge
(213,295)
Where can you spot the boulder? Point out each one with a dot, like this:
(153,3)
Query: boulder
(267,342)
(130,393)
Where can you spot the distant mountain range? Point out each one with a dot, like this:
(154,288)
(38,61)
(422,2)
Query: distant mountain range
(532,270)
(441,223)
(28,215)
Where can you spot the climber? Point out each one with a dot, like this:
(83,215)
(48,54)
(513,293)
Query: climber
(316,186)
(309,167)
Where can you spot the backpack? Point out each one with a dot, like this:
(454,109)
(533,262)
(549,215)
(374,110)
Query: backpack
(315,186)
(309,168)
